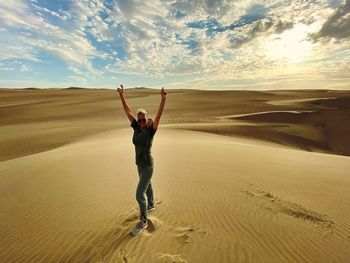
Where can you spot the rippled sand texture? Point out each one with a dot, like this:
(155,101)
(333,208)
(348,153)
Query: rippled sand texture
(68,184)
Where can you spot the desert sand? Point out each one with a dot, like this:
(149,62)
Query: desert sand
(240,176)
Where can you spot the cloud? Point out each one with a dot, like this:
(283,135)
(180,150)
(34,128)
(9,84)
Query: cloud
(255,12)
(207,41)
(198,9)
(32,34)
(14,65)
(265,26)
(212,26)
(61,14)
(337,25)
(25,68)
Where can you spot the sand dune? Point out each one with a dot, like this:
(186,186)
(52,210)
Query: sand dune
(220,199)
(36,120)
(274,188)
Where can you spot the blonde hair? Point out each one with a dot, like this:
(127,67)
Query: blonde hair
(149,122)
(142,111)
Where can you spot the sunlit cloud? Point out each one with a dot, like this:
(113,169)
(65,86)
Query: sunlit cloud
(292,45)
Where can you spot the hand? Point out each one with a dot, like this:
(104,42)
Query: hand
(121,90)
(163,93)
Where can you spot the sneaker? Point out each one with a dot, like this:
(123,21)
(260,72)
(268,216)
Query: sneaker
(151,208)
(139,227)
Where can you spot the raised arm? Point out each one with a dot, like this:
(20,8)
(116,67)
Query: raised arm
(160,110)
(125,104)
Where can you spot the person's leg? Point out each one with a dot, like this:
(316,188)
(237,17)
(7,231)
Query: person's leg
(145,174)
(149,194)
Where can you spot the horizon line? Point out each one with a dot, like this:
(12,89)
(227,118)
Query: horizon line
(105,88)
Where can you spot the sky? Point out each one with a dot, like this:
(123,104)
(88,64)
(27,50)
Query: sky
(208,44)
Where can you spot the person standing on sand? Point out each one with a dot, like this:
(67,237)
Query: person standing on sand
(144,130)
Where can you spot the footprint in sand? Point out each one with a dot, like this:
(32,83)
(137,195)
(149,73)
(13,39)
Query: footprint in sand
(153,225)
(124,256)
(295,210)
(185,233)
(168,258)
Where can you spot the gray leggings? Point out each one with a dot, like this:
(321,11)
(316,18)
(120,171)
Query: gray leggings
(144,186)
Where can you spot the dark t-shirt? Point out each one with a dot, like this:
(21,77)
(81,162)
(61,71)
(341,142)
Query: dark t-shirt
(143,144)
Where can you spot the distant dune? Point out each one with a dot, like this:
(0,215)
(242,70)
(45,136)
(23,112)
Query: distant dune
(31,88)
(72,88)
(61,116)
(240,176)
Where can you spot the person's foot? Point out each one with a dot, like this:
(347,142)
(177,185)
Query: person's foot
(139,227)
(151,208)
